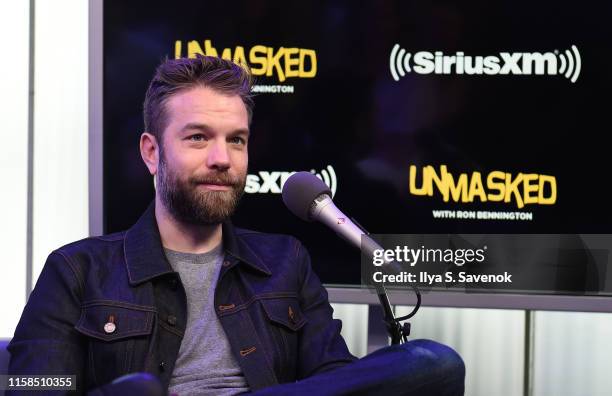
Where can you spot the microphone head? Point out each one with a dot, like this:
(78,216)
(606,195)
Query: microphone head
(300,191)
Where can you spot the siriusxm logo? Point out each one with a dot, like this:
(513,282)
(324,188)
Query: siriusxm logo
(265,182)
(567,64)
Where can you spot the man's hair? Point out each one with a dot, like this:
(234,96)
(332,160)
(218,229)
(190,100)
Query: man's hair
(177,75)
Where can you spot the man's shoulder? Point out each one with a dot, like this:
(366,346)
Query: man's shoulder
(88,256)
(271,247)
(253,235)
(93,245)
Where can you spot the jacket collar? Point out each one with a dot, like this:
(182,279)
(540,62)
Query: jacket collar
(144,253)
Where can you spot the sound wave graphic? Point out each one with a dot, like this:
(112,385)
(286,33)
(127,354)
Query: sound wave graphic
(573,63)
(328,176)
(398,61)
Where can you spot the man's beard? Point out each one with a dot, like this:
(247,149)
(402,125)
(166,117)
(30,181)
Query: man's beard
(190,204)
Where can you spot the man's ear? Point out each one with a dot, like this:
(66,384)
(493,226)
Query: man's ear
(149,151)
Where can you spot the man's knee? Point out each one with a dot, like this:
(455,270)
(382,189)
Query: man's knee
(442,357)
(423,367)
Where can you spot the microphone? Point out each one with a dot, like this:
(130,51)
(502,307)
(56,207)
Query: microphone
(307,197)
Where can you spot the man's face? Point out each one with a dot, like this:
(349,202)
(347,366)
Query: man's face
(203,156)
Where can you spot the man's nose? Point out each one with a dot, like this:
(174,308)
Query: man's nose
(218,156)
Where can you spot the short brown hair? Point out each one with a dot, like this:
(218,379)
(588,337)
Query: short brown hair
(176,75)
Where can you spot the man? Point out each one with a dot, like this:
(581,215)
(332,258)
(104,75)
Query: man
(183,295)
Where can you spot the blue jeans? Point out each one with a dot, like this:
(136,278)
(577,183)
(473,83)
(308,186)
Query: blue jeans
(417,368)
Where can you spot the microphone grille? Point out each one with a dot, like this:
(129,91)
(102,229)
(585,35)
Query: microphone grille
(300,191)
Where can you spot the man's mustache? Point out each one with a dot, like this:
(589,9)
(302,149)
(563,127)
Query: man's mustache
(222,179)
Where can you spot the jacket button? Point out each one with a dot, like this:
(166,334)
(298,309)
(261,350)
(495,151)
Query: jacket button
(227,263)
(109,327)
(162,366)
(171,320)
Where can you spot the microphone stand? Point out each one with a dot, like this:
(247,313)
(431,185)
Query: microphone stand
(398,331)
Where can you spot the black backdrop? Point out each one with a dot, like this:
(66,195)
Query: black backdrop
(353,116)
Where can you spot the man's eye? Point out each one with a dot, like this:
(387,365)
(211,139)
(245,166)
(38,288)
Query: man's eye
(197,138)
(237,140)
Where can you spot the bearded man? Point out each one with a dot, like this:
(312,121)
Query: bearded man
(197,305)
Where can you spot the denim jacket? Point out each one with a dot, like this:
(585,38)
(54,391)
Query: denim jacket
(270,303)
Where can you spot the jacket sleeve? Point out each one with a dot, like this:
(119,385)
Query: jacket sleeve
(321,347)
(45,340)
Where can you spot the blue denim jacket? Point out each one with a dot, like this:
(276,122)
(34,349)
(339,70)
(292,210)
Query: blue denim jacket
(270,303)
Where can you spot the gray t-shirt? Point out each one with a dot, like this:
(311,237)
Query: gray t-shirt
(205,364)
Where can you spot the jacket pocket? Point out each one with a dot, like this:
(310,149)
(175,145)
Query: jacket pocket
(127,320)
(118,335)
(285,320)
(285,312)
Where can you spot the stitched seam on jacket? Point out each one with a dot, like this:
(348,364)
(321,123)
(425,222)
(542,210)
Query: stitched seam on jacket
(267,357)
(75,272)
(265,296)
(100,336)
(171,329)
(120,304)
(265,267)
